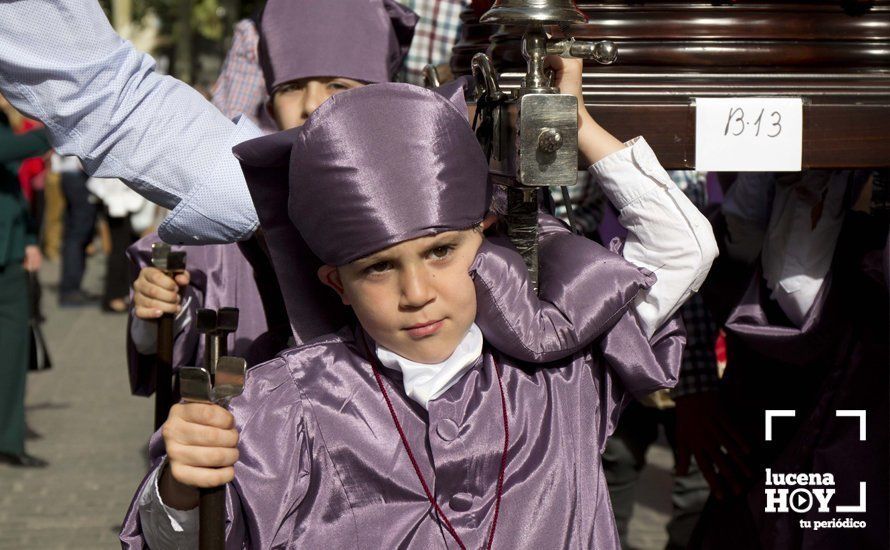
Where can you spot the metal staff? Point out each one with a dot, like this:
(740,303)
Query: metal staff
(531,133)
(171,263)
(218,381)
(197,387)
(216,326)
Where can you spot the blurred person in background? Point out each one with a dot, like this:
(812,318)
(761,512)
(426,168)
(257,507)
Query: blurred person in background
(19,254)
(32,171)
(128,214)
(80,223)
(52,226)
(437,30)
(803,298)
(240,88)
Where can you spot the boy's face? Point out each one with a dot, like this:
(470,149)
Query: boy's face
(415,298)
(294,101)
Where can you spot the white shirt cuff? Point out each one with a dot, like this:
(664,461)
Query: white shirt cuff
(227,214)
(164,527)
(796,253)
(612,173)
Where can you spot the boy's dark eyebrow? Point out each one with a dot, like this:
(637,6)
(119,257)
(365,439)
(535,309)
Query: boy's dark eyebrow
(372,259)
(453,238)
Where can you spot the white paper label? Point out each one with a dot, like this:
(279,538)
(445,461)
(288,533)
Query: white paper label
(748,134)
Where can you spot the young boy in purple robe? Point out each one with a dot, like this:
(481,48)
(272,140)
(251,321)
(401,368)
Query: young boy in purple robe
(304,63)
(457,409)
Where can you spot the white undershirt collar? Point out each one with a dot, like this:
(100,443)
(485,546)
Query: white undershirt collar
(424,382)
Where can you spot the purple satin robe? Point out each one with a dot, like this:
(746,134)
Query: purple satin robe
(220,277)
(322,465)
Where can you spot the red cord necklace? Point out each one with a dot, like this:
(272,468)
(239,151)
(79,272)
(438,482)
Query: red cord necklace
(372,358)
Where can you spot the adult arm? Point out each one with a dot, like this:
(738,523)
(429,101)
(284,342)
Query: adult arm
(102,101)
(666,233)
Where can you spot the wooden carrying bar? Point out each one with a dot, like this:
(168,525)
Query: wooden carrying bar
(834,55)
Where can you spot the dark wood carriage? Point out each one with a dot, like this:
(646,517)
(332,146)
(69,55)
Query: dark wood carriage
(835,55)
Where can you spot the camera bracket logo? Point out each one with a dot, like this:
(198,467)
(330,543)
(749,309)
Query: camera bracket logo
(803,492)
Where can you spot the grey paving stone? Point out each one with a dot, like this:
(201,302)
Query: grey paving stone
(653,503)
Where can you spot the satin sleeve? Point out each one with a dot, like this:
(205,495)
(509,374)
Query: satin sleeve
(645,364)
(141,366)
(757,325)
(274,469)
(584,290)
(272,475)
(627,365)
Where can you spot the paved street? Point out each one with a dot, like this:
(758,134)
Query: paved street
(653,507)
(94,434)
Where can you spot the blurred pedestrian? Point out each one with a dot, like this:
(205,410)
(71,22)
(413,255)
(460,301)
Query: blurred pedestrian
(19,254)
(126,213)
(80,223)
(53,222)
(808,334)
(241,87)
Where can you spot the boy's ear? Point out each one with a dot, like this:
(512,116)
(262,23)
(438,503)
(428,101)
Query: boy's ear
(329,276)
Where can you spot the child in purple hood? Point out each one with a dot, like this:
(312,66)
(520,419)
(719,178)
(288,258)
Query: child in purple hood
(457,409)
(304,63)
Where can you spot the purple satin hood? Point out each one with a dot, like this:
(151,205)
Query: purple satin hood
(372,167)
(383,164)
(363,40)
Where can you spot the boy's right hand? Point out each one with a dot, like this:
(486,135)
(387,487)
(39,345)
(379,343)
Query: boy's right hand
(156,293)
(202,448)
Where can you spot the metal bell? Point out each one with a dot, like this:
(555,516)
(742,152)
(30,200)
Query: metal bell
(521,12)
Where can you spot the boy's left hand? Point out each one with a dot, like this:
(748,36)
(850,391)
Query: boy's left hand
(491,219)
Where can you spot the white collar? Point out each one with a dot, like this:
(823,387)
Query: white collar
(425,381)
